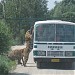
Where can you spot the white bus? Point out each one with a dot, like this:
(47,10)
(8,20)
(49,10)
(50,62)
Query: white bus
(54,41)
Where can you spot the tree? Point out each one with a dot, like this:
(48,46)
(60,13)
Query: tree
(21,14)
(64,10)
(40,9)
(1,11)
(69,16)
(5,37)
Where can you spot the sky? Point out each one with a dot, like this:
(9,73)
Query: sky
(51,3)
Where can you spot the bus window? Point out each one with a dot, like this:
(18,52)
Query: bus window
(65,33)
(45,32)
(59,32)
(55,32)
(39,33)
(69,33)
(74,33)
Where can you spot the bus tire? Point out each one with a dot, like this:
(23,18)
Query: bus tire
(38,65)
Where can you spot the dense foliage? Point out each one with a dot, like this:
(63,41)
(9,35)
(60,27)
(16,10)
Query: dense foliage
(5,43)
(21,15)
(64,10)
(5,36)
(6,65)
(17,16)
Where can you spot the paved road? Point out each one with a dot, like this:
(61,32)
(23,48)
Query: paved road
(31,69)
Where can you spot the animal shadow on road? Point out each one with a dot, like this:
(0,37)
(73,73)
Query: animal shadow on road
(18,74)
(63,66)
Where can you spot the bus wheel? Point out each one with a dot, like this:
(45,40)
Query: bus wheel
(38,65)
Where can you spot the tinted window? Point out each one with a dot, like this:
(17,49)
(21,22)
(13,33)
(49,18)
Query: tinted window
(58,32)
(45,32)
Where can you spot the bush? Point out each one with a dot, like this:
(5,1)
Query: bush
(6,65)
(5,36)
(5,43)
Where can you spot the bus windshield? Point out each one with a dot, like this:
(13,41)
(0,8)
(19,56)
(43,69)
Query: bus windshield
(55,33)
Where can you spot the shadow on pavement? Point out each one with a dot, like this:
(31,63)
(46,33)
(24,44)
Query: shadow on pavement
(60,66)
(18,74)
(30,65)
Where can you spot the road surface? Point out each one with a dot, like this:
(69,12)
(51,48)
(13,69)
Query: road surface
(31,69)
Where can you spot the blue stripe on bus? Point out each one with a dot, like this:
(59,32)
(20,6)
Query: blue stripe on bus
(57,43)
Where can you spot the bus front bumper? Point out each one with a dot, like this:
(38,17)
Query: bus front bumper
(54,59)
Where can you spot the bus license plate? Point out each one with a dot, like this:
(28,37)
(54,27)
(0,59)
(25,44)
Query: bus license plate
(55,60)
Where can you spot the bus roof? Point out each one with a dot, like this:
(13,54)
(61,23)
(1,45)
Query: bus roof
(54,22)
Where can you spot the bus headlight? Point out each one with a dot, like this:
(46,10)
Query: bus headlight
(68,53)
(39,53)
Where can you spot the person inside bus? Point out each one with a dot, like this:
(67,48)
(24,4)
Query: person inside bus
(39,33)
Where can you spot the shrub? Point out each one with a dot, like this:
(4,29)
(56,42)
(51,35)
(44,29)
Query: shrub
(5,36)
(5,43)
(6,65)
